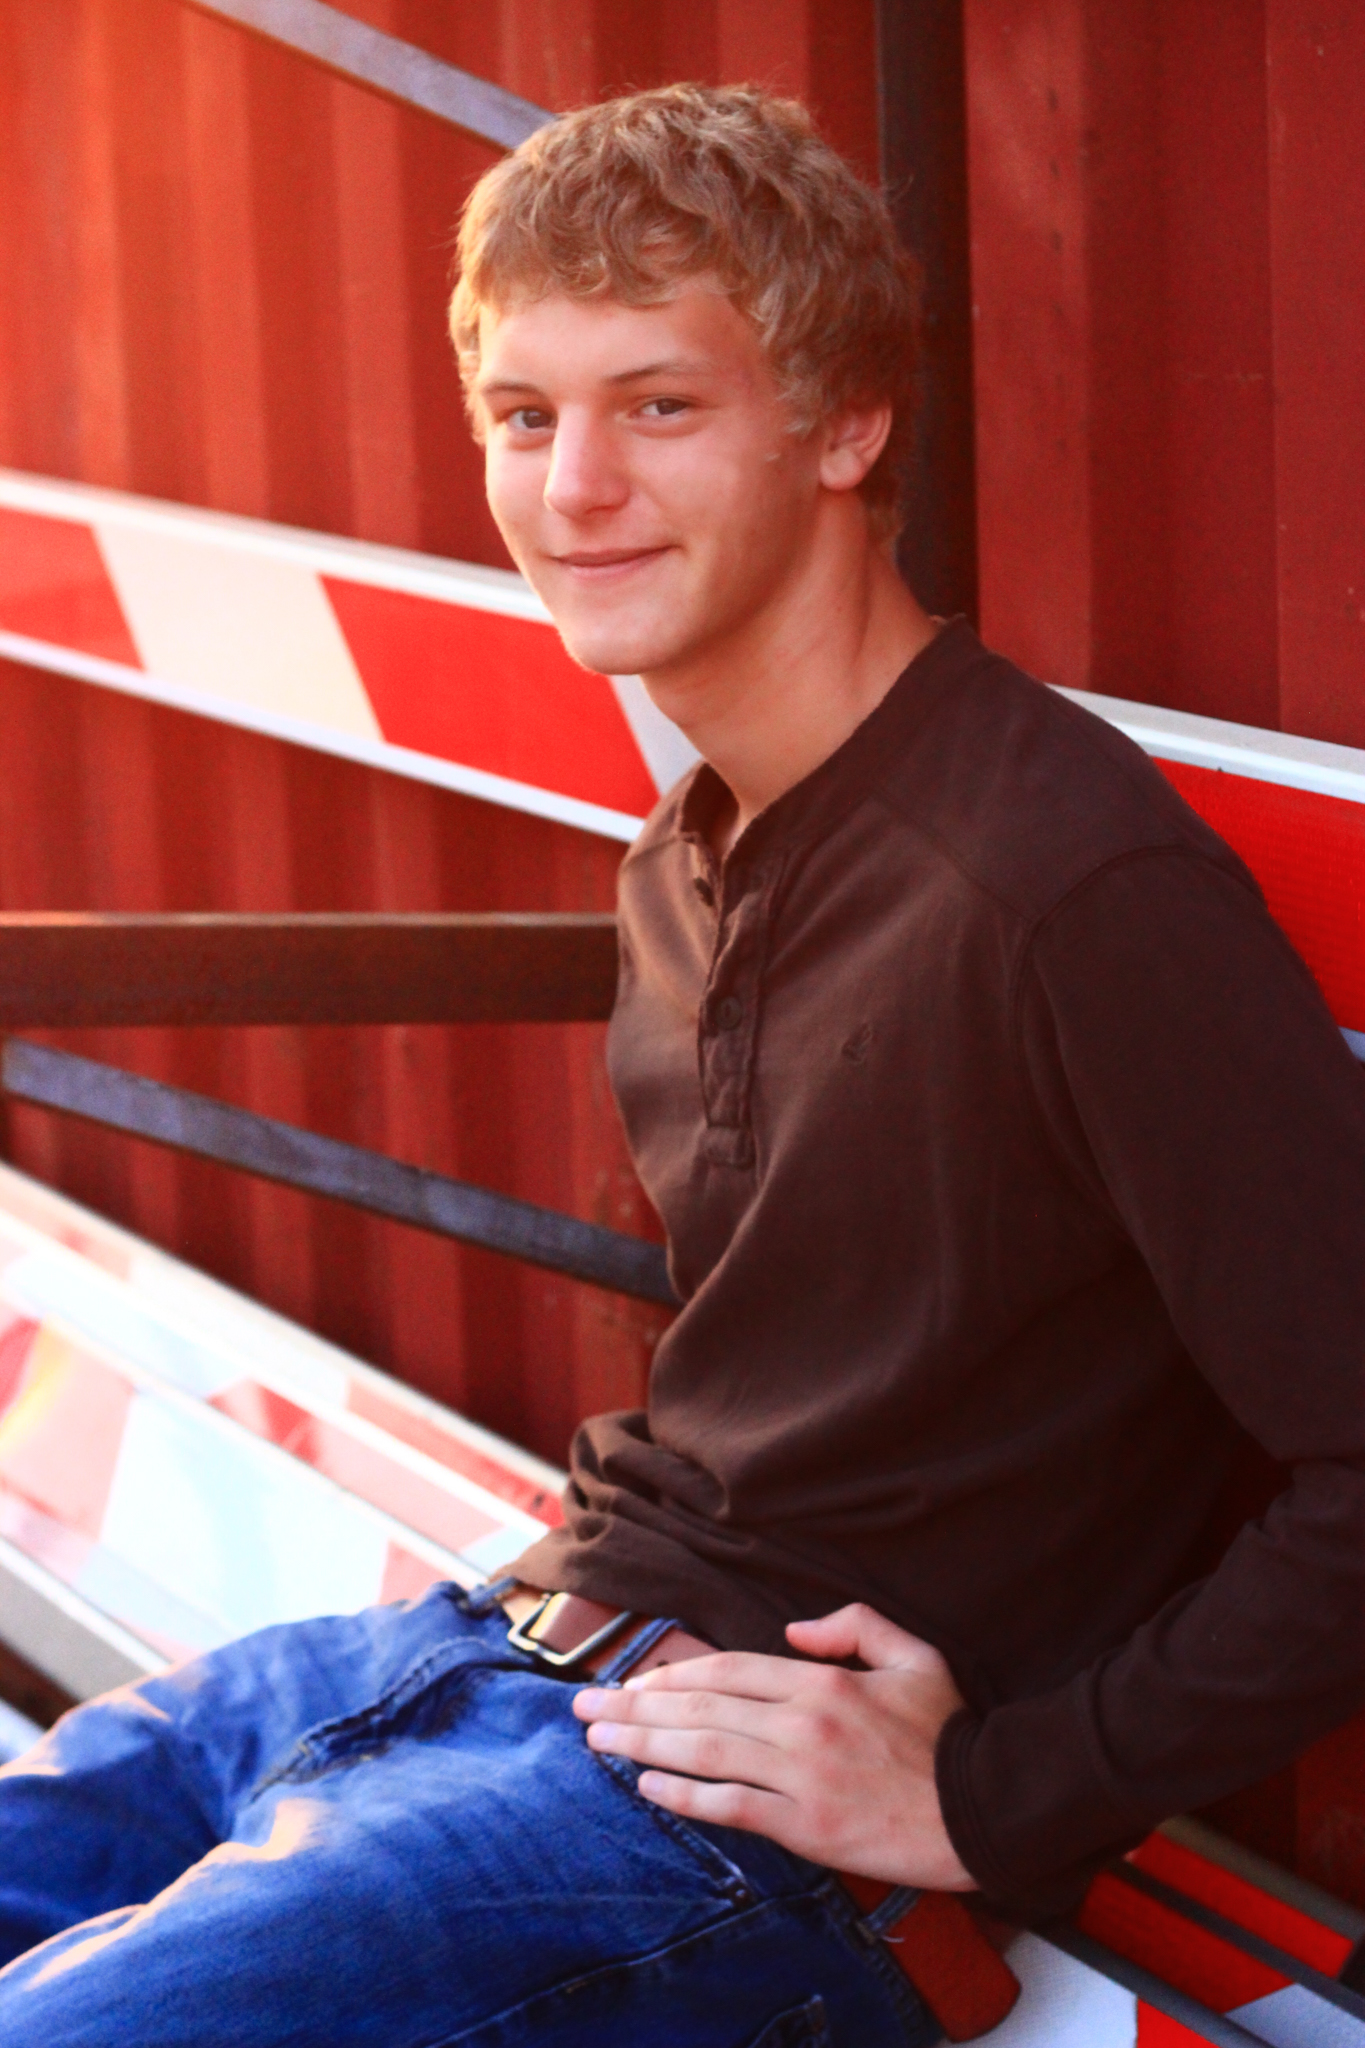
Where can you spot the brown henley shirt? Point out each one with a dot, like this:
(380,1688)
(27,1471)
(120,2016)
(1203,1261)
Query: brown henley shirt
(1012,1169)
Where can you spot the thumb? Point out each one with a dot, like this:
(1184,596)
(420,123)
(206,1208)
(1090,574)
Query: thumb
(858,1631)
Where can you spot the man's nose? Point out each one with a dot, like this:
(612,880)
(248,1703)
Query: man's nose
(586,474)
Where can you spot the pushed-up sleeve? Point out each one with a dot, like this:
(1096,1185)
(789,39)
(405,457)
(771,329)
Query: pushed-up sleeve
(1190,1079)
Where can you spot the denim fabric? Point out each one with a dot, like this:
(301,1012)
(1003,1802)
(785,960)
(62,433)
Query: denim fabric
(387,1829)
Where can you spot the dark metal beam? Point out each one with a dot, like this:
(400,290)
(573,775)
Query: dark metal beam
(921,81)
(323,1166)
(1200,2020)
(61,969)
(386,64)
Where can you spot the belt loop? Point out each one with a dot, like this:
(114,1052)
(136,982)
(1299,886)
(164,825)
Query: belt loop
(481,1600)
(893,1907)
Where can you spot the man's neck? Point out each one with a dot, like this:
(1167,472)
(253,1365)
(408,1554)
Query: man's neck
(774,702)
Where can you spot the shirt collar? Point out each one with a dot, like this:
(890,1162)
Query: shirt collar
(812,805)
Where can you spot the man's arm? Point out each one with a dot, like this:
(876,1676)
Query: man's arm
(1194,1086)
(836,1765)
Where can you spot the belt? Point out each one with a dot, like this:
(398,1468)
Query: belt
(952,1965)
(583,1638)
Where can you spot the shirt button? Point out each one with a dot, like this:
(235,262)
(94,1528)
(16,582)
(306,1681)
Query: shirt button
(704,889)
(729,1012)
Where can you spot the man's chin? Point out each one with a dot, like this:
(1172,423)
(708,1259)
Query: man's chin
(612,654)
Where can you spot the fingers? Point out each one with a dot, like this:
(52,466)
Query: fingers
(727,1712)
(858,1631)
(725,1806)
(731,1671)
(701,1752)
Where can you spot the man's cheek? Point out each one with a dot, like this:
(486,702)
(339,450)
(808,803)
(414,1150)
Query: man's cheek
(512,507)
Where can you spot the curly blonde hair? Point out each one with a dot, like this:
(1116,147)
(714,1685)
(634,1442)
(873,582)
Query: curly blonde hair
(628,199)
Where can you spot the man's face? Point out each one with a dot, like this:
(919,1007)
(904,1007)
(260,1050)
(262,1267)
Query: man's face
(644,474)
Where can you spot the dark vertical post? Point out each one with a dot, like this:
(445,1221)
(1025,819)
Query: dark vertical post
(923,119)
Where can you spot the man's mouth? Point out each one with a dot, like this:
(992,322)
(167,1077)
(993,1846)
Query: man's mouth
(592,564)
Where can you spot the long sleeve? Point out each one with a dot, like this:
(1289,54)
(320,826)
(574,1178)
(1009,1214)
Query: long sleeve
(1195,1089)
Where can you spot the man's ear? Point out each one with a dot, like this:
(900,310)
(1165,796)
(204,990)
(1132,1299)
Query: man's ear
(852,443)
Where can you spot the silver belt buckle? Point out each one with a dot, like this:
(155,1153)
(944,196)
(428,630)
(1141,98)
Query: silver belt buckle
(520,1636)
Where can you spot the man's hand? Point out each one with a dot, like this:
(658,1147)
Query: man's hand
(836,1765)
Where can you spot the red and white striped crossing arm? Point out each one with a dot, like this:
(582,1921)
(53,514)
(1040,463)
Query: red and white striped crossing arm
(443,671)
(453,674)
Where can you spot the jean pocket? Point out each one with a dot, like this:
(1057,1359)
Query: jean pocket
(804,2026)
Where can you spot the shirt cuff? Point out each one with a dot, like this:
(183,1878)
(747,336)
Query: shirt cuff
(1029,1803)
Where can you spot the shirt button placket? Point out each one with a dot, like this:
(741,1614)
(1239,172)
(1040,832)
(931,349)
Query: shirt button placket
(728,1019)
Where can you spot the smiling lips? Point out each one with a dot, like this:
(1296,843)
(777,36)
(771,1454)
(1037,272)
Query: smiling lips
(600,564)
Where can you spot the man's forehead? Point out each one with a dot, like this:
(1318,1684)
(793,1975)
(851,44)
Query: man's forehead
(697,332)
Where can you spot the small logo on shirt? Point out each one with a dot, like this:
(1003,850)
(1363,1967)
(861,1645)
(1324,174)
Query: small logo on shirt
(855,1047)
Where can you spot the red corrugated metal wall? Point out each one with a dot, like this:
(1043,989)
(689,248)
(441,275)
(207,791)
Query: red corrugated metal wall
(1169,274)
(225,274)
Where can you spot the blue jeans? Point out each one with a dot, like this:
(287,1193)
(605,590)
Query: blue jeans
(387,1828)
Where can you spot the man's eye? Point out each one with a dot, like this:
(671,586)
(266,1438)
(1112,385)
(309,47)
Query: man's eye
(663,408)
(530,419)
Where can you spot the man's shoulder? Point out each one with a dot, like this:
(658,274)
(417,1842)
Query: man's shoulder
(1028,793)
(1024,792)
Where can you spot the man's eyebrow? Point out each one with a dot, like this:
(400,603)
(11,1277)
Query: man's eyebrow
(667,366)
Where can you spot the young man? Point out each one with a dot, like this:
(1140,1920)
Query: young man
(1012,1170)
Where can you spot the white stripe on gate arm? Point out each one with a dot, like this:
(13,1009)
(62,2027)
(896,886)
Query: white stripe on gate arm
(326,554)
(1062,2003)
(257,629)
(1262,756)
(667,750)
(1295,2018)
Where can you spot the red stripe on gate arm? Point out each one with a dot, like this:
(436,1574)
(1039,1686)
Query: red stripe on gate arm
(1322,1948)
(1158,2030)
(54,586)
(1307,851)
(1190,1958)
(425,1435)
(490,692)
